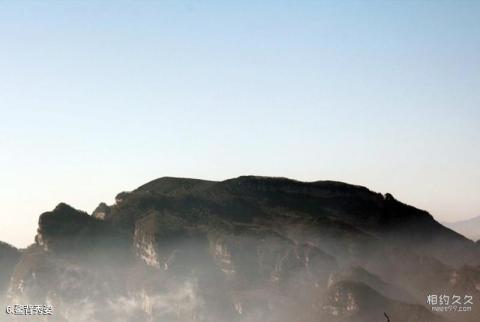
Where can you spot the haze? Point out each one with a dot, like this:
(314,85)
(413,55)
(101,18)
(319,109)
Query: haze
(100,97)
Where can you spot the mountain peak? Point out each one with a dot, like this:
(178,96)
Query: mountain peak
(64,208)
(173,185)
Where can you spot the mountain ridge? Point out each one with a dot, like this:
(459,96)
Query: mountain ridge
(470,228)
(361,207)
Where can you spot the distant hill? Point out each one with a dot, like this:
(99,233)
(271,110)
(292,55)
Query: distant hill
(469,228)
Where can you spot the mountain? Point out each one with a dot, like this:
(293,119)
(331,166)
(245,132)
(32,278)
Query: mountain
(245,249)
(9,257)
(470,228)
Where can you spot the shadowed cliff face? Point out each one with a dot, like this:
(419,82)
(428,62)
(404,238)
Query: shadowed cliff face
(246,249)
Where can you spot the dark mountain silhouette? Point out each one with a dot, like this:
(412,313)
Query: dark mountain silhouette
(245,249)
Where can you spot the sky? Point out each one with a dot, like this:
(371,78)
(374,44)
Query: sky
(99,97)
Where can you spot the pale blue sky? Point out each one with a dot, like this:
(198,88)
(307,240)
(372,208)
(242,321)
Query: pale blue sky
(97,97)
